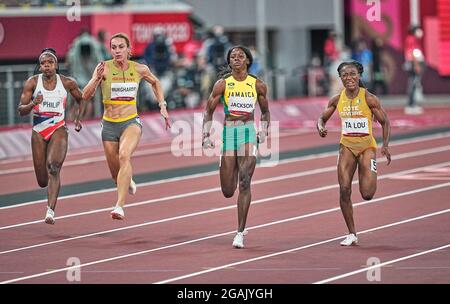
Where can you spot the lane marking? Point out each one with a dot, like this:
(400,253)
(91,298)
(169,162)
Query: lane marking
(200,192)
(231,207)
(335,278)
(232,232)
(298,248)
(94,159)
(198,175)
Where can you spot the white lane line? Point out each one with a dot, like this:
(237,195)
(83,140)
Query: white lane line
(256,182)
(170,180)
(231,207)
(199,175)
(298,248)
(255,227)
(344,275)
(140,152)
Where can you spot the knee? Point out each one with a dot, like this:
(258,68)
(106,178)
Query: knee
(42,183)
(228,193)
(345,192)
(54,168)
(244,182)
(367,196)
(124,157)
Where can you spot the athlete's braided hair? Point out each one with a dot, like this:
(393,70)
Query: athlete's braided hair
(359,67)
(226,69)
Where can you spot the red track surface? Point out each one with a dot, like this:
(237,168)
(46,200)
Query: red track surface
(294,223)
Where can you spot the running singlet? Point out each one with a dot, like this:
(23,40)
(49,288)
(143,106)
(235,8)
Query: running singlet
(356,118)
(49,114)
(240,97)
(120,87)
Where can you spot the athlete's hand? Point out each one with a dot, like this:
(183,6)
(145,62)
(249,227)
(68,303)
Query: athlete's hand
(78,125)
(165,115)
(322,131)
(385,152)
(207,143)
(38,99)
(261,136)
(100,70)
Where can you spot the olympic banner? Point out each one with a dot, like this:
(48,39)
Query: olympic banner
(23,38)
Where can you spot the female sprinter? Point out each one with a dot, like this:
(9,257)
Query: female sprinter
(45,95)
(239,92)
(121,127)
(356,107)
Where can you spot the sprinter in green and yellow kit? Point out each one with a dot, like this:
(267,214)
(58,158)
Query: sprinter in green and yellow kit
(239,92)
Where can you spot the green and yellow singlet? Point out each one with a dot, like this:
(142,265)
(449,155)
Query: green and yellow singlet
(240,97)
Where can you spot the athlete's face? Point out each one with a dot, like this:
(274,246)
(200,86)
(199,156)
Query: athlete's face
(238,59)
(48,65)
(119,49)
(350,77)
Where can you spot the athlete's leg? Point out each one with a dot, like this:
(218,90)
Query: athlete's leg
(39,151)
(111,149)
(128,143)
(367,171)
(246,165)
(56,154)
(346,169)
(228,173)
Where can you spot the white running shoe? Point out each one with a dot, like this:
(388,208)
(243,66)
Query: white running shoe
(238,241)
(350,240)
(117,213)
(49,217)
(132,187)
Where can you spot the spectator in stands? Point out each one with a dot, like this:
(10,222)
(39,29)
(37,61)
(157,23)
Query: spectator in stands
(415,67)
(379,86)
(160,56)
(212,56)
(331,50)
(363,54)
(83,56)
(102,41)
(256,68)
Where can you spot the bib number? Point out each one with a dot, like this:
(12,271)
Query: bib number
(123,91)
(355,126)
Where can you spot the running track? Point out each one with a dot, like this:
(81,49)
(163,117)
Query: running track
(180,230)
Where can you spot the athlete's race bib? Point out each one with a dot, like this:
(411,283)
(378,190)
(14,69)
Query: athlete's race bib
(355,126)
(237,105)
(123,91)
(52,104)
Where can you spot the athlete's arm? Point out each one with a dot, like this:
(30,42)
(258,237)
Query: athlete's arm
(326,114)
(211,104)
(148,76)
(98,76)
(261,90)
(26,104)
(72,86)
(380,115)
